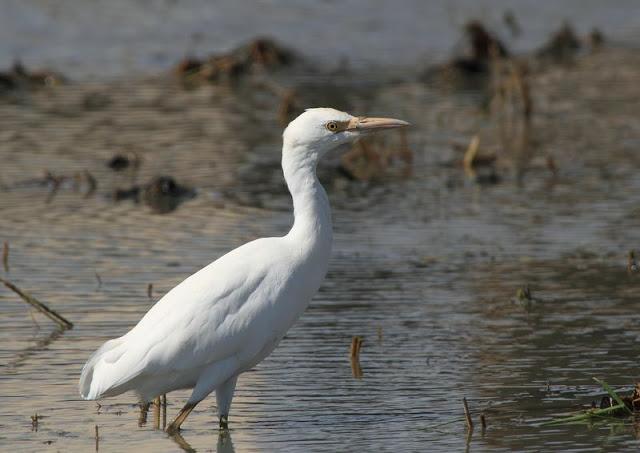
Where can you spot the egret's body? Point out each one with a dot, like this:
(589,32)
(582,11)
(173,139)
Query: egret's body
(227,317)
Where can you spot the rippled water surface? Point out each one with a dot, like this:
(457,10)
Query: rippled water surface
(425,268)
(87,39)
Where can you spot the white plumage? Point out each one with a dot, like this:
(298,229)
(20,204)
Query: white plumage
(230,315)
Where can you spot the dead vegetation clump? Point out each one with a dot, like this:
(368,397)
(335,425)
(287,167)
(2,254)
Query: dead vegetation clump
(507,143)
(611,405)
(18,77)
(261,54)
(471,69)
(562,46)
(512,110)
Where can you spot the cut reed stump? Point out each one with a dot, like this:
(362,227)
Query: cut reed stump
(5,256)
(354,356)
(51,314)
(356,345)
(632,263)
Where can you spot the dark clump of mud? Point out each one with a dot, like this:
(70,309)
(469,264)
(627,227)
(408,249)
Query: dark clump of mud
(123,161)
(162,194)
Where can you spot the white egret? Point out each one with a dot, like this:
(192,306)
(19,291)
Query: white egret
(230,315)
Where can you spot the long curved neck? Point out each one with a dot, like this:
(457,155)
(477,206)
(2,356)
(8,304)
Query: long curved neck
(312,214)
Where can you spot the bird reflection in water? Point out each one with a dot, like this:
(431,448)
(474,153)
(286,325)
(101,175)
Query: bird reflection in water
(159,408)
(225,444)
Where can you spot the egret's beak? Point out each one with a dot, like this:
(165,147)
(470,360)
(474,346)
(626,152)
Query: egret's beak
(364,124)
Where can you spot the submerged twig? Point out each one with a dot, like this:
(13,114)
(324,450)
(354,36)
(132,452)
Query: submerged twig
(62,321)
(467,414)
(41,344)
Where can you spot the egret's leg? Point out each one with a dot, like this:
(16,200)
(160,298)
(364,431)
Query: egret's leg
(214,375)
(224,396)
(174,427)
(144,409)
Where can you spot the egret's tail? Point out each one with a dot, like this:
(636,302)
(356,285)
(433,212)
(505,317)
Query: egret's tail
(92,385)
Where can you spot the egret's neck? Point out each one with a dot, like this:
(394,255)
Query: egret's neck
(312,213)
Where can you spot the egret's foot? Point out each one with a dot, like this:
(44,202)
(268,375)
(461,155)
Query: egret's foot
(174,426)
(224,422)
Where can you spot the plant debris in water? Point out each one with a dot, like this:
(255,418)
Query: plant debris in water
(483,45)
(624,406)
(562,46)
(632,264)
(51,314)
(524,297)
(19,78)
(258,55)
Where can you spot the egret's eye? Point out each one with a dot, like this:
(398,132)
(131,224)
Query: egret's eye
(332,126)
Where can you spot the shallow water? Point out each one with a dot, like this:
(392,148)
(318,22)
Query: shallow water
(84,39)
(425,268)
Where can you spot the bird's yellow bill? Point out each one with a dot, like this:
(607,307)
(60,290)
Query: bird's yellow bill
(364,123)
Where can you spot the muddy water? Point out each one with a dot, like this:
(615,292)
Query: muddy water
(425,269)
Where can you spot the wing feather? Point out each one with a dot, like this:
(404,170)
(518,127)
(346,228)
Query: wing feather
(196,323)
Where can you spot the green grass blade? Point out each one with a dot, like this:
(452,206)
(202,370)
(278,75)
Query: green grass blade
(612,394)
(584,416)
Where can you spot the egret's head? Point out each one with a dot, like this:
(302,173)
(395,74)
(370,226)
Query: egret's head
(322,129)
